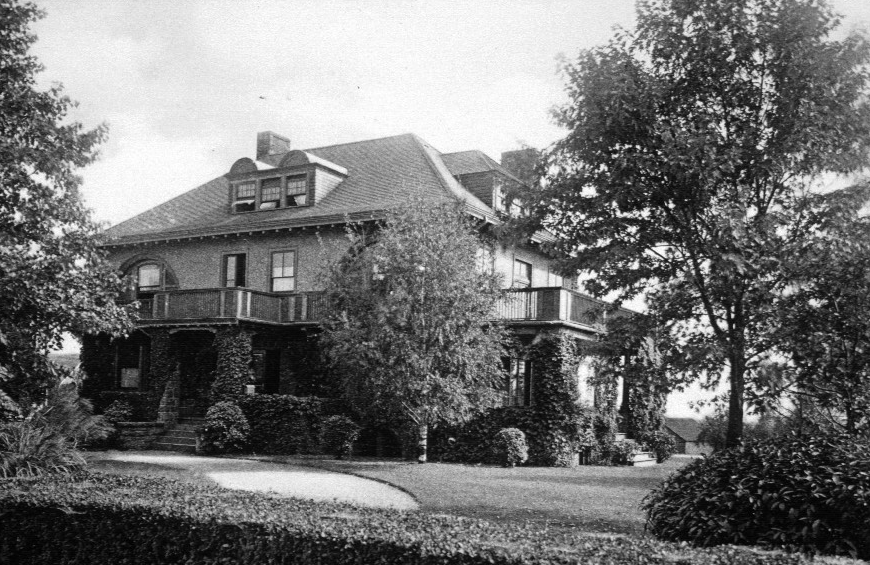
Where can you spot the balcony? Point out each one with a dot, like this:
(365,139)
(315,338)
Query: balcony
(231,304)
(217,305)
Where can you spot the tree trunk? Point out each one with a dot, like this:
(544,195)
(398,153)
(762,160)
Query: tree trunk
(422,442)
(735,398)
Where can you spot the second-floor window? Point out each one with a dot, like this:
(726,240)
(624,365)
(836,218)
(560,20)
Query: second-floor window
(148,279)
(234,270)
(522,274)
(283,271)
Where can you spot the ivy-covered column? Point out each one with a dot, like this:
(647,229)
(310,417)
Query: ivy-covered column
(163,375)
(554,414)
(233,370)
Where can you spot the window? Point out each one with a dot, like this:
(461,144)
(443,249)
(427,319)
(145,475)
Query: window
(484,260)
(129,359)
(270,194)
(522,274)
(246,193)
(519,385)
(283,271)
(297,191)
(148,278)
(500,198)
(234,270)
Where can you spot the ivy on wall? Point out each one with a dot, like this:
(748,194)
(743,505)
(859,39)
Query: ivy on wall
(556,425)
(233,368)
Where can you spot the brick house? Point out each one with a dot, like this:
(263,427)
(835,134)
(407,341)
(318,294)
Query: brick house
(240,256)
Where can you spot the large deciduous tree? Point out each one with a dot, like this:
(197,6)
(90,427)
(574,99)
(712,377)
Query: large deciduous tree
(411,335)
(694,142)
(53,278)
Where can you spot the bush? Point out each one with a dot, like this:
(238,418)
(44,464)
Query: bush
(661,443)
(553,440)
(226,428)
(118,411)
(337,436)
(286,425)
(104,519)
(46,440)
(510,447)
(798,493)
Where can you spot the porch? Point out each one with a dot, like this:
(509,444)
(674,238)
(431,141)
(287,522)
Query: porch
(223,305)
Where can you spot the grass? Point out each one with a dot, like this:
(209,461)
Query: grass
(594,499)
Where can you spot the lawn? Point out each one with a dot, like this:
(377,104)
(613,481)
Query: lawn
(591,498)
(588,498)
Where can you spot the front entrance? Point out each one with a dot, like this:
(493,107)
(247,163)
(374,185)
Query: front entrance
(197,359)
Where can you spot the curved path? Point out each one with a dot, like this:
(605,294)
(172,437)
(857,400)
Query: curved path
(281,479)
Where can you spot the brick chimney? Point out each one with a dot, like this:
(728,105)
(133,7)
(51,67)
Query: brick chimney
(270,143)
(521,163)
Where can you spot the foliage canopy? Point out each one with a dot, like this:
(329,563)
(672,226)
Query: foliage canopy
(695,142)
(411,336)
(53,277)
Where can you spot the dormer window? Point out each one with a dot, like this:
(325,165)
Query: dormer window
(246,194)
(270,195)
(297,191)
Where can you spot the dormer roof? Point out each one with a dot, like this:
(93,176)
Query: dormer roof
(379,174)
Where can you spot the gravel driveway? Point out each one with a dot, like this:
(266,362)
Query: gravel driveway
(281,479)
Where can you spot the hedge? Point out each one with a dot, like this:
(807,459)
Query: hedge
(286,425)
(103,519)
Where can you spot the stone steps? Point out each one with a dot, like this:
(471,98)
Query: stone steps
(180,436)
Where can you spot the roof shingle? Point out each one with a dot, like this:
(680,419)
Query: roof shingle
(381,175)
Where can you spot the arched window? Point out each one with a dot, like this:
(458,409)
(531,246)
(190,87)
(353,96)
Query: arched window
(148,279)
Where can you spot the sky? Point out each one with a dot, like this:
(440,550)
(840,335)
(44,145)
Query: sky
(184,85)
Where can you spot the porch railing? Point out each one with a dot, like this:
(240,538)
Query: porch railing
(520,305)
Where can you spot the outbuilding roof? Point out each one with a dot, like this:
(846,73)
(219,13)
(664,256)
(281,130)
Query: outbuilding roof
(686,429)
(381,173)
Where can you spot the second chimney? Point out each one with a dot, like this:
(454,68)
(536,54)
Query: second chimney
(270,143)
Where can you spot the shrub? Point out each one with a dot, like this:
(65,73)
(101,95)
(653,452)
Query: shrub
(46,440)
(125,519)
(118,411)
(226,428)
(337,436)
(799,493)
(286,425)
(510,447)
(661,443)
(621,452)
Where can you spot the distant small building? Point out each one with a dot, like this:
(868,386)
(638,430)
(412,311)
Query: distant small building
(685,432)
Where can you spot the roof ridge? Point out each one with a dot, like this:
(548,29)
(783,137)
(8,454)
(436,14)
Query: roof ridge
(360,141)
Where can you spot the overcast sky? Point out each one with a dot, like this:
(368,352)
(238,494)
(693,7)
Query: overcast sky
(185,85)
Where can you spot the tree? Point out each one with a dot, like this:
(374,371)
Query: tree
(823,327)
(53,277)
(411,335)
(694,145)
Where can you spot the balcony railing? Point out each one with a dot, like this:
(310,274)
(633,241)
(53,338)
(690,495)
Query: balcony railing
(551,304)
(555,304)
(232,303)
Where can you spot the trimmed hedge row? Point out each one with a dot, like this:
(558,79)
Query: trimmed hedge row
(99,519)
(286,425)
